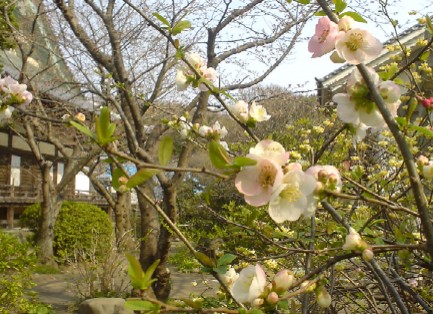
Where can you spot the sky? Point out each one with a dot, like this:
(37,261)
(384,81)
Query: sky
(300,69)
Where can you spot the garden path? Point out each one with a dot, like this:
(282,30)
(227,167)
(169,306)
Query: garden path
(58,289)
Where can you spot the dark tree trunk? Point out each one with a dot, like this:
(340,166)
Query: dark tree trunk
(151,247)
(50,208)
(122,219)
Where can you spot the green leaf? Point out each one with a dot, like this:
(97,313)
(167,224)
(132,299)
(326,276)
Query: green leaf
(226,259)
(165,150)
(139,279)
(244,161)
(425,55)
(104,128)
(225,93)
(161,18)
(303,1)
(115,175)
(218,155)
(180,26)
(340,5)
(220,269)
(135,272)
(423,130)
(355,16)
(320,13)
(149,272)
(83,129)
(141,176)
(254,311)
(204,259)
(429,24)
(140,305)
(401,121)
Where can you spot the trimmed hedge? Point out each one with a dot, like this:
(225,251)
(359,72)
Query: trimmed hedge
(79,226)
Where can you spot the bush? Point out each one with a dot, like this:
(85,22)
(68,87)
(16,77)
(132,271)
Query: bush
(17,262)
(76,225)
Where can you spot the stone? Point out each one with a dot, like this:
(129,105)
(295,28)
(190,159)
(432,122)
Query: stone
(103,306)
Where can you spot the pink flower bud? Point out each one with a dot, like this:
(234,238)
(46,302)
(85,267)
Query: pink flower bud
(322,175)
(422,161)
(272,298)
(412,283)
(427,102)
(282,280)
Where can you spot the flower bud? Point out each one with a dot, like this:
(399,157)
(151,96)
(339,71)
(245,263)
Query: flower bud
(80,117)
(412,283)
(367,255)
(345,23)
(335,57)
(272,298)
(354,242)
(257,302)
(123,180)
(123,188)
(427,170)
(282,280)
(323,297)
(322,176)
(422,161)
(310,288)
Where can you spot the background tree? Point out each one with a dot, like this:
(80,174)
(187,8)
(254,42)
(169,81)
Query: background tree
(137,59)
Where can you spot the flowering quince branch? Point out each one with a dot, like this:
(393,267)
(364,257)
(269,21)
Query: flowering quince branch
(384,278)
(411,291)
(415,182)
(266,239)
(12,94)
(382,107)
(380,201)
(141,164)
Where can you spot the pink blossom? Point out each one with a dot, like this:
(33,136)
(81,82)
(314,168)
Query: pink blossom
(230,277)
(250,284)
(259,181)
(358,46)
(271,150)
(293,197)
(240,110)
(209,74)
(10,88)
(323,41)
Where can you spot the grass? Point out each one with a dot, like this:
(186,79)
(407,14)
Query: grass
(46,270)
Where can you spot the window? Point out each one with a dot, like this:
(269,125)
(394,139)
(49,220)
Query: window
(82,183)
(60,170)
(15,170)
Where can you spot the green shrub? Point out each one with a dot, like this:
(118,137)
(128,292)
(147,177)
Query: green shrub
(75,228)
(17,262)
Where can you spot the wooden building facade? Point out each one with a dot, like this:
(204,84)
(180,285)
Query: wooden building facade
(20,178)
